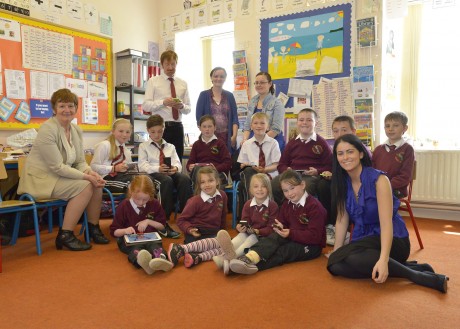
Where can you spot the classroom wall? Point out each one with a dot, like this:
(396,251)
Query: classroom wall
(141,25)
(132,27)
(247,36)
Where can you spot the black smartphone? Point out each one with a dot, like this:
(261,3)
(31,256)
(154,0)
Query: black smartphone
(167,161)
(244,223)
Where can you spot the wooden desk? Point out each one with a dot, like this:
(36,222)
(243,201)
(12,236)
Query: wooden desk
(13,178)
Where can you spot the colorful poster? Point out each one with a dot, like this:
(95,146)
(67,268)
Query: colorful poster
(306,46)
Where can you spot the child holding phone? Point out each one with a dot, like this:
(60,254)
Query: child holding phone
(111,157)
(258,216)
(141,213)
(209,150)
(153,159)
(299,232)
(203,216)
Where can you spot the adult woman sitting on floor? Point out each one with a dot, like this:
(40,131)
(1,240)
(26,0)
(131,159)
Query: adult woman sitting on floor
(56,168)
(380,242)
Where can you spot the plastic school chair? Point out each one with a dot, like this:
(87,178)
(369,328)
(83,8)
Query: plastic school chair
(405,206)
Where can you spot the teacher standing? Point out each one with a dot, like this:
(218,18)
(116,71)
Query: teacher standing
(221,105)
(167,95)
(266,101)
(56,169)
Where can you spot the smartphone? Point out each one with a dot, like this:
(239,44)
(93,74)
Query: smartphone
(167,161)
(244,223)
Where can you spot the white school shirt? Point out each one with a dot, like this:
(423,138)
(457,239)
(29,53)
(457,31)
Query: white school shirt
(101,162)
(158,88)
(398,144)
(206,197)
(149,156)
(250,153)
(312,137)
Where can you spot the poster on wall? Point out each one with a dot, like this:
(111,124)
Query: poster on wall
(308,44)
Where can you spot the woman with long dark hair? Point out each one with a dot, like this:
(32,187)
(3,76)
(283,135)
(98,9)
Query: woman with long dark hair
(380,246)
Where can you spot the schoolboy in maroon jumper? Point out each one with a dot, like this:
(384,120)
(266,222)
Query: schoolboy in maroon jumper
(209,149)
(395,157)
(140,212)
(310,155)
(299,233)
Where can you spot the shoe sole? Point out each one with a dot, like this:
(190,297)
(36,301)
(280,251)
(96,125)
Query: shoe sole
(226,267)
(169,253)
(160,264)
(241,267)
(188,261)
(225,242)
(143,259)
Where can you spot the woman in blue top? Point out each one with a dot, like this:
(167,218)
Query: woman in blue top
(221,105)
(380,242)
(266,101)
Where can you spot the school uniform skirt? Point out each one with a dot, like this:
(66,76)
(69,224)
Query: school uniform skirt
(67,188)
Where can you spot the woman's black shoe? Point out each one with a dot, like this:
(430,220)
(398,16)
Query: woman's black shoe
(66,238)
(96,234)
(440,281)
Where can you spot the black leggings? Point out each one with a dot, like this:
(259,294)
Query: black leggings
(359,265)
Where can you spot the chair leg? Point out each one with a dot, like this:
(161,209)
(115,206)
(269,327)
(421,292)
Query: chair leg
(235,203)
(50,219)
(17,222)
(409,210)
(37,232)
(84,227)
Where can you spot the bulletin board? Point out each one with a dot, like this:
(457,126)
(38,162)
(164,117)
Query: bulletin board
(307,45)
(90,64)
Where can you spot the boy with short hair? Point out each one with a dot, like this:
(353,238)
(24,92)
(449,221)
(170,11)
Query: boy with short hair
(395,157)
(152,160)
(343,125)
(259,154)
(310,155)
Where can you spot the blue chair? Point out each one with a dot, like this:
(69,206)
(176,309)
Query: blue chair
(234,190)
(49,204)
(18,206)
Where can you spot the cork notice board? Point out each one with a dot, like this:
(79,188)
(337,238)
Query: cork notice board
(43,57)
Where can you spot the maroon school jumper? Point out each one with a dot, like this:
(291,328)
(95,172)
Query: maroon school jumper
(206,215)
(260,219)
(301,156)
(306,223)
(126,216)
(398,165)
(214,152)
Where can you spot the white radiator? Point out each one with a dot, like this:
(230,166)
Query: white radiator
(437,178)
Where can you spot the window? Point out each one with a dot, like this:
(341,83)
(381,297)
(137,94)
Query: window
(200,50)
(435,113)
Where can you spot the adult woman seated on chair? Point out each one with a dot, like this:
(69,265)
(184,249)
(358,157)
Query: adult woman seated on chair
(380,245)
(56,168)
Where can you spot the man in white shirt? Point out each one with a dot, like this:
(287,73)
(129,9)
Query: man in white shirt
(168,96)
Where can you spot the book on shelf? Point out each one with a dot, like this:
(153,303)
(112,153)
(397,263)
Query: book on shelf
(239,56)
(367,35)
(131,239)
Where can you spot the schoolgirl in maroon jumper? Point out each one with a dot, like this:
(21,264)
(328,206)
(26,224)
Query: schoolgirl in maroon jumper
(203,216)
(299,232)
(140,212)
(209,149)
(258,216)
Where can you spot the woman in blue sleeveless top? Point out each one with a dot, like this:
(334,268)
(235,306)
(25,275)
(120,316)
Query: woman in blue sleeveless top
(380,242)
